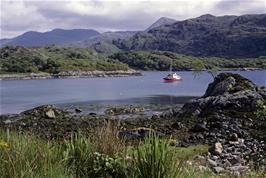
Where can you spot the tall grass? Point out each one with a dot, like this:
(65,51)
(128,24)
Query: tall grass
(156,159)
(100,155)
(105,139)
(78,156)
(26,156)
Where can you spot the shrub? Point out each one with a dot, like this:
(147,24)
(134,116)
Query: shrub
(108,166)
(82,160)
(261,111)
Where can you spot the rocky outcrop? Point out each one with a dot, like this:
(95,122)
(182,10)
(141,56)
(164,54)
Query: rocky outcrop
(226,115)
(236,156)
(47,121)
(226,83)
(226,92)
(45,111)
(224,119)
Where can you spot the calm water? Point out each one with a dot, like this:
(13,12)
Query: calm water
(19,95)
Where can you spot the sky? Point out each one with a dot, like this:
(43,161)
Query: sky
(19,16)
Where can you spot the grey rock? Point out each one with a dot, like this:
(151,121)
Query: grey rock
(221,87)
(216,149)
(214,157)
(234,137)
(8,121)
(218,169)
(228,82)
(212,163)
(203,168)
(238,168)
(200,127)
(92,114)
(50,114)
(226,163)
(177,125)
(78,110)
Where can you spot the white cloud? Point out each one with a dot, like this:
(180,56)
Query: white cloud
(18,16)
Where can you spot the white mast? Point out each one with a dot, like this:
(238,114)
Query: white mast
(171,66)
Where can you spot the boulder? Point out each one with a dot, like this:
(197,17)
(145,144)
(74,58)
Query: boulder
(93,114)
(78,110)
(234,137)
(227,92)
(212,163)
(200,127)
(218,169)
(177,125)
(228,83)
(216,149)
(45,111)
(238,168)
(50,114)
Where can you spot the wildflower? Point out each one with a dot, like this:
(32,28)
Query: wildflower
(3,144)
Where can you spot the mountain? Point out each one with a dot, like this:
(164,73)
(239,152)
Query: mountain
(56,36)
(106,36)
(103,43)
(222,36)
(225,36)
(161,21)
(4,41)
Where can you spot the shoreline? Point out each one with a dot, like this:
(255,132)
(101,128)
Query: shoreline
(156,100)
(96,74)
(71,74)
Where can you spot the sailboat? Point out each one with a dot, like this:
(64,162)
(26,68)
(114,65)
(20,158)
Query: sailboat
(172,77)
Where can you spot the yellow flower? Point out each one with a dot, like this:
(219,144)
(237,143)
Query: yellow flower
(3,144)
(264,174)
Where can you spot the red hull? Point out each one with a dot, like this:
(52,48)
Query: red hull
(171,80)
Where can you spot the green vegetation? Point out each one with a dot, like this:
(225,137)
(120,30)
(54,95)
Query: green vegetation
(26,156)
(261,111)
(23,155)
(160,60)
(54,59)
(155,158)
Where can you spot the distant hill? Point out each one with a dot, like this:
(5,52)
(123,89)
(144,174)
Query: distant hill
(161,60)
(4,41)
(56,36)
(54,59)
(106,36)
(208,35)
(161,21)
(103,43)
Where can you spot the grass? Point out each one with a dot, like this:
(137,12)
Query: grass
(106,140)
(26,156)
(188,153)
(155,158)
(100,155)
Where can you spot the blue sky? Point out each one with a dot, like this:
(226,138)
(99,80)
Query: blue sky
(20,16)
